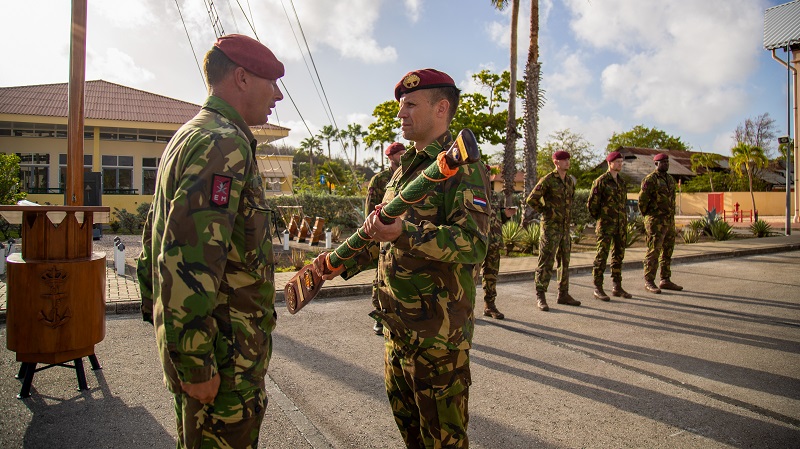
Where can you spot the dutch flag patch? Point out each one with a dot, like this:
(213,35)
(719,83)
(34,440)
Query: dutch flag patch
(479,201)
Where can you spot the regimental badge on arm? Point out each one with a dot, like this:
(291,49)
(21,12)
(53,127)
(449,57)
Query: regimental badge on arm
(221,190)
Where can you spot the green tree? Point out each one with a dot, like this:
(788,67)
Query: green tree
(533,100)
(310,144)
(643,137)
(384,130)
(327,134)
(10,184)
(582,159)
(749,158)
(706,161)
(356,134)
(509,149)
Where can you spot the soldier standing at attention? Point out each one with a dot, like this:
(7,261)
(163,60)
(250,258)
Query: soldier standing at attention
(206,270)
(552,197)
(606,204)
(657,205)
(375,191)
(427,262)
(491,265)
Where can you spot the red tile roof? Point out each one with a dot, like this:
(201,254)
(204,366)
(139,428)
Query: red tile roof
(103,101)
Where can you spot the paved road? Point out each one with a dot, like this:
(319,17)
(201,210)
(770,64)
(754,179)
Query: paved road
(717,365)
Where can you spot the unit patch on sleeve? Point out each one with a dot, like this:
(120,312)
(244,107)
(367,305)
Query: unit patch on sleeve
(221,190)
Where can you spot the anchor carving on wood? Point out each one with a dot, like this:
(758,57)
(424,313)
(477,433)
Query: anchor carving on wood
(55,279)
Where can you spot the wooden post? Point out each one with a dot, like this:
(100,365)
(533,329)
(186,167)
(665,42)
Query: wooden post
(77,76)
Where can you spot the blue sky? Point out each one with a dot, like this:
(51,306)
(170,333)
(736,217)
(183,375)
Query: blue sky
(695,69)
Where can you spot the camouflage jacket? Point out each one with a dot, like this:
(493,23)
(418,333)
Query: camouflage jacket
(657,197)
(206,269)
(376,190)
(607,201)
(552,197)
(426,278)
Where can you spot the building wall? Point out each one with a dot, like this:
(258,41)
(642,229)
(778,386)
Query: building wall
(767,203)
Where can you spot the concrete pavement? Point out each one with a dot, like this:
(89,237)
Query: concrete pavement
(714,366)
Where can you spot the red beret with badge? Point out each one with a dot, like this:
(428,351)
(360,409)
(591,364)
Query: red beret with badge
(251,54)
(660,157)
(422,79)
(560,155)
(612,156)
(394,148)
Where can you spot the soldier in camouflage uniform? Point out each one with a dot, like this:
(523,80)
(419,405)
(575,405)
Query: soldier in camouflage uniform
(375,192)
(657,205)
(427,262)
(206,270)
(490,267)
(552,197)
(606,204)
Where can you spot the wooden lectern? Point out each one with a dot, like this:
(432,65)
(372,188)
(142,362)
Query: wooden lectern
(56,289)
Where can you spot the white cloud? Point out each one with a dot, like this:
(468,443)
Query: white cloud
(413,9)
(116,66)
(129,14)
(681,63)
(571,78)
(597,130)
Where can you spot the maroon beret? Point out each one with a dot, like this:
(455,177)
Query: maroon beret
(660,157)
(422,79)
(612,156)
(251,54)
(560,155)
(394,148)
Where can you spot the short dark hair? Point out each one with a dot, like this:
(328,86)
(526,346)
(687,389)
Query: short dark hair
(451,94)
(216,66)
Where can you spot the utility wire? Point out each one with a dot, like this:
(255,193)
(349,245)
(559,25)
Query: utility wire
(203,78)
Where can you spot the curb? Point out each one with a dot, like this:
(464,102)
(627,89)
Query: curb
(131,307)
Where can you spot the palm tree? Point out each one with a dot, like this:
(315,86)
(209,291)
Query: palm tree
(509,152)
(750,157)
(534,101)
(310,143)
(707,161)
(355,132)
(327,134)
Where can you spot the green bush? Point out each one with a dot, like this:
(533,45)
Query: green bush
(511,233)
(529,238)
(690,235)
(577,233)
(721,230)
(761,228)
(127,221)
(580,213)
(633,235)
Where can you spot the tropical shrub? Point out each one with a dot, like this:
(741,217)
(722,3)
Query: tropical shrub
(721,230)
(761,228)
(577,233)
(511,233)
(529,238)
(690,234)
(633,235)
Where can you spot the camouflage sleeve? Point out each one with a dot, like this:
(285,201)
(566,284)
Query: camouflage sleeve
(645,196)
(196,240)
(365,260)
(464,236)
(535,200)
(593,203)
(144,269)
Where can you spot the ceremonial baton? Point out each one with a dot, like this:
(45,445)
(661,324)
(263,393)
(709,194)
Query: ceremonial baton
(306,284)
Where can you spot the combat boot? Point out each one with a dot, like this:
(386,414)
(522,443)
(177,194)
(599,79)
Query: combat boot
(566,298)
(541,303)
(651,286)
(617,290)
(491,310)
(666,284)
(378,328)
(600,294)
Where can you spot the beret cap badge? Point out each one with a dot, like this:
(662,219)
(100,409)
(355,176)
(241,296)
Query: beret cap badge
(411,81)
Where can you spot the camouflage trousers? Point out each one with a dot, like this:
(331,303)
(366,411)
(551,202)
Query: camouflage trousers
(490,267)
(611,239)
(660,236)
(554,247)
(428,390)
(233,420)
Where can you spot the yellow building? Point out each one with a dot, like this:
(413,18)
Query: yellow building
(125,132)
